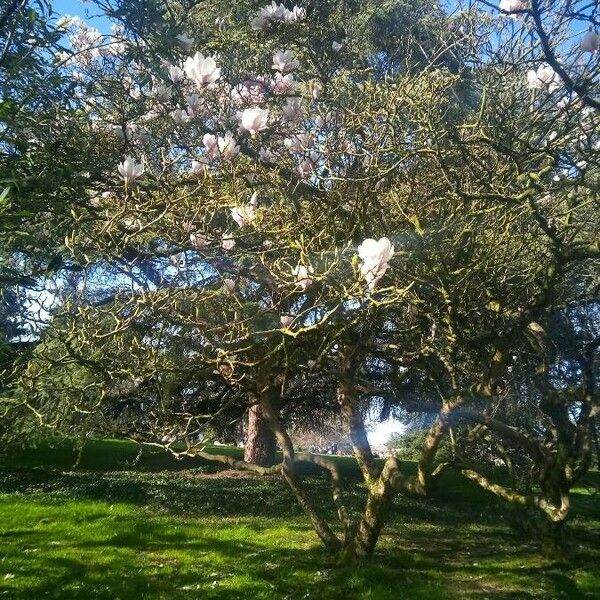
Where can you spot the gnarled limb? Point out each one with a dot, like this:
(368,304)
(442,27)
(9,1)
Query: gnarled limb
(336,490)
(322,528)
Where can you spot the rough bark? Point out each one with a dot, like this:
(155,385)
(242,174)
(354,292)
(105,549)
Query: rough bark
(260,447)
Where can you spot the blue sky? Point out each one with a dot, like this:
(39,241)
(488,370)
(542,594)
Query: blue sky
(85,10)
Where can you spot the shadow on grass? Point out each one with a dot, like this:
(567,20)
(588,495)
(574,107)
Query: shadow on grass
(227,569)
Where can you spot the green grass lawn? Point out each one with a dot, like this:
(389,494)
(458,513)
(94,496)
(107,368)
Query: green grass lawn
(170,529)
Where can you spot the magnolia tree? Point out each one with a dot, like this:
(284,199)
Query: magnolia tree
(374,206)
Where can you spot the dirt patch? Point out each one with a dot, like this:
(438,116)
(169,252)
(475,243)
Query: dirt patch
(224,474)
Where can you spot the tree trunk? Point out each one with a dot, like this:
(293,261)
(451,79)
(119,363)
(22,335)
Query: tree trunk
(595,426)
(552,540)
(260,444)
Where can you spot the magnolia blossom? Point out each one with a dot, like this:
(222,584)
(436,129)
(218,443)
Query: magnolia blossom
(267,155)
(130,169)
(276,13)
(324,121)
(175,73)
(544,77)
(194,103)
(336,46)
(160,91)
(211,144)
(284,61)
(510,6)
(244,215)
(198,167)
(295,15)
(286,320)
(252,91)
(283,84)
(227,243)
(181,117)
(311,363)
(201,70)
(299,143)
(199,240)
(590,42)
(254,120)
(187,43)
(229,284)
(307,165)
(375,256)
(223,147)
(137,133)
(86,41)
(292,110)
(227,146)
(303,276)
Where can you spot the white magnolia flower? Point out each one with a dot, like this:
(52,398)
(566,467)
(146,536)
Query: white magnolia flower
(299,143)
(336,46)
(292,111)
(286,320)
(181,117)
(135,92)
(254,119)
(295,15)
(283,84)
(175,73)
(307,165)
(211,144)
(130,169)
(138,133)
(273,13)
(375,256)
(198,167)
(244,215)
(260,22)
(311,363)
(590,42)
(284,61)
(201,70)
(324,121)
(160,91)
(194,103)
(199,240)
(544,77)
(223,147)
(227,243)
(229,284)
(227,146)
(510,6)
(251,91)
(303,276)
(267,155)
(187,43)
